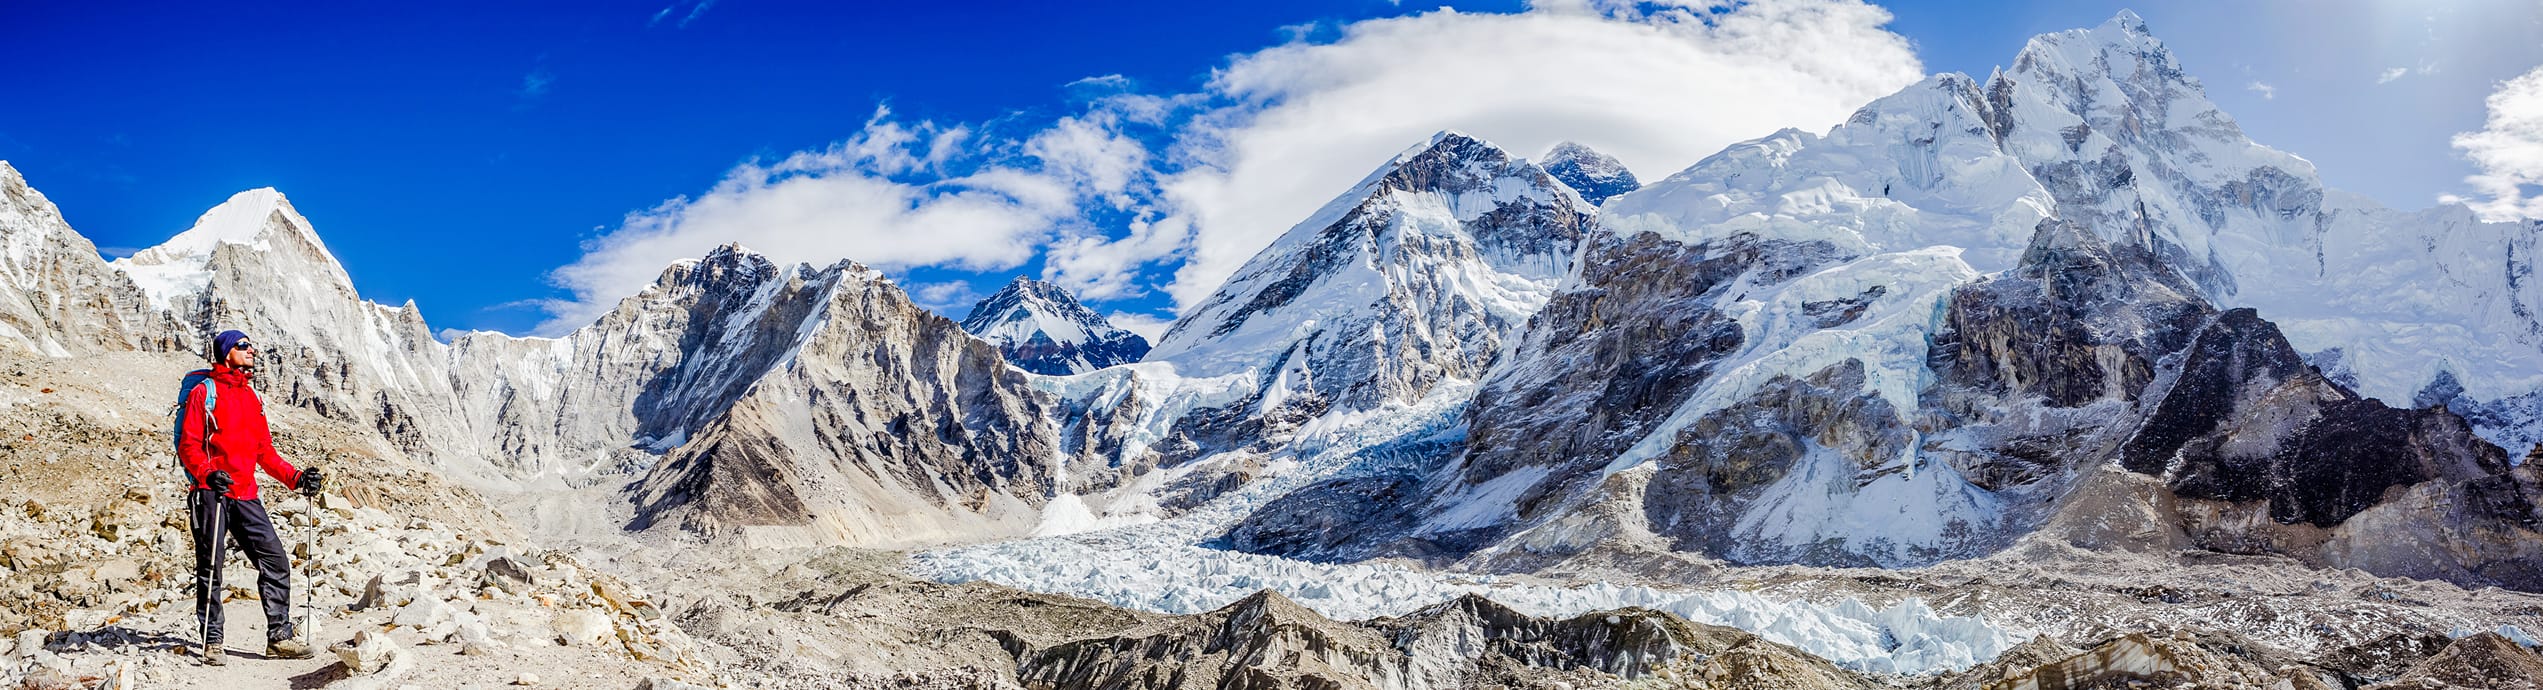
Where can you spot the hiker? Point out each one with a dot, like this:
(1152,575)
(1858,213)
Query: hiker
(221,454)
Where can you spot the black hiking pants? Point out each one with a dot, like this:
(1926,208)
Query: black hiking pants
(246,527)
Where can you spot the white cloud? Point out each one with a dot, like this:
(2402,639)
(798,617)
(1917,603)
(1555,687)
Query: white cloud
(695,12)
(1271,136)
(2391,74)
(2508,151)
(535,83)
(696,9)
(1148,326)
(1659,87)
(948,297)
(2266,91)
(1096,267)
(846,202)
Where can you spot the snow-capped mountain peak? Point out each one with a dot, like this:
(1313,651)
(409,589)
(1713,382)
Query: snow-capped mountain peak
(261,219)
(1596,176)
(1454,206)
(1043,329)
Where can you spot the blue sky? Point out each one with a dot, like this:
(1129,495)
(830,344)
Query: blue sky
(511,167)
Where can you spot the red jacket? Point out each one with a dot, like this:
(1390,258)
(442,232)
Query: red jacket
(240,440)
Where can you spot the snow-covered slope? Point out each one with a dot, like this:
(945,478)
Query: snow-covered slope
(181,268)
(56,296)
(1044,330)
(1383,307)
(1409,278)
(1596,176)
(1746,365)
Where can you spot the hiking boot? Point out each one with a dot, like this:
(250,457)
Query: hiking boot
(288,648)
(214,654)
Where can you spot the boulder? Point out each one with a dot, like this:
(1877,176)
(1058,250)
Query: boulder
(583,627)
(423,613)
(85,619)
(368,652)
(623,599)
(116,573)
(383,591)
(508,574)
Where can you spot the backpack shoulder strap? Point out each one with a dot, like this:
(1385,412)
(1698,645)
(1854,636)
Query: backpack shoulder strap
(199,378)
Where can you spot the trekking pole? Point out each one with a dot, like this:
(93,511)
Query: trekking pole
(309,586)
(212,581)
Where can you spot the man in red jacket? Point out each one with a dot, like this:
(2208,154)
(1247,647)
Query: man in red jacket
(222,456)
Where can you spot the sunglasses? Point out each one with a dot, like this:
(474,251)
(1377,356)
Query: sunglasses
(250,347)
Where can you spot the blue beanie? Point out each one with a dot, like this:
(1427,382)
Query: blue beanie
(222,343)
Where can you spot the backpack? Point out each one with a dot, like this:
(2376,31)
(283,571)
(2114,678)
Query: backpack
(176,430)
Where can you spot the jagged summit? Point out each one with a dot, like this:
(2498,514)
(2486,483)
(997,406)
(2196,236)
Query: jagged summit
(1596,176)
(1455,205)
(1043,329)
(245,218)
(260,219)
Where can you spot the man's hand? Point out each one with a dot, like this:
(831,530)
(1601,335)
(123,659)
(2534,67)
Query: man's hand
(219,482)
(312,481)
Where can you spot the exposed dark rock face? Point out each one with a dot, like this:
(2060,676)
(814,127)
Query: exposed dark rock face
(2078,321)
(2245,419)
